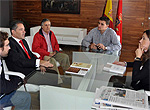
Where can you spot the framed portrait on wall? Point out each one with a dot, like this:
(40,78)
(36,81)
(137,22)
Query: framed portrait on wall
(61,6)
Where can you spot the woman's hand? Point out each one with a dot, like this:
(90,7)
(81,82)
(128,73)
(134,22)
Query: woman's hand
(119,63)
(139,51)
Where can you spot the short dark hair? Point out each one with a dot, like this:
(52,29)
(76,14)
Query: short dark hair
(44,20)
(14,26)
(147,33)
(3,37)
(104,18)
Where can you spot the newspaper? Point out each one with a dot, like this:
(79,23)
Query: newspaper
(105,106)
(120,99)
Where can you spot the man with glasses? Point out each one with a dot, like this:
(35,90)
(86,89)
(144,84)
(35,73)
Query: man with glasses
(102,38)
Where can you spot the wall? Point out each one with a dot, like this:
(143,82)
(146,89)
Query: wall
(135,12)
(5,12)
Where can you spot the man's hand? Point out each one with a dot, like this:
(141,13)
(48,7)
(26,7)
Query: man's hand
(43,69)
(45,63)
(101,46)
(93,46)
(52,53)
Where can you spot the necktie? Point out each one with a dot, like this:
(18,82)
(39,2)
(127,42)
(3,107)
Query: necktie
(24,49)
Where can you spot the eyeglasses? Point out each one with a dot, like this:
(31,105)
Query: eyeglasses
(47,25)
(101,23)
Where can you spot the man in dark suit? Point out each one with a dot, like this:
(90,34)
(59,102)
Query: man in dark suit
(8,96)
(21,59)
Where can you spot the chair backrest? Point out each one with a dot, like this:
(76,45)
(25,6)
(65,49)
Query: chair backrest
(6,30)
(29,40)
(58,30)
(34,30)
(30,87)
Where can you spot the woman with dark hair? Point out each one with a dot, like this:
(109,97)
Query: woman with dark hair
(141,70)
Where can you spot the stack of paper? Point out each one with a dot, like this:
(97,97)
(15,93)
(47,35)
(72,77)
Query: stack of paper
(119,99)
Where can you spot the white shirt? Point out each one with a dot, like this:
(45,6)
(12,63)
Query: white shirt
(6,76)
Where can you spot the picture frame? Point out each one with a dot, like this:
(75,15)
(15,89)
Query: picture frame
(61,6)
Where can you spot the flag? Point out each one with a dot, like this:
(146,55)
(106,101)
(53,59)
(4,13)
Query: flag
(119,20)
(108,12)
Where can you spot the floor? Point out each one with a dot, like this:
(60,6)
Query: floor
(68,49)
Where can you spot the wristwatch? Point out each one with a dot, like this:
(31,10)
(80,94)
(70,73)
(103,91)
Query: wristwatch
(137,58)
(106,48)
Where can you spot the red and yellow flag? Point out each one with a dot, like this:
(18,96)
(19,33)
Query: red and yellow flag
(119,20)
(108,12)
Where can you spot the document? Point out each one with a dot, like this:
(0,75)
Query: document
(114,68)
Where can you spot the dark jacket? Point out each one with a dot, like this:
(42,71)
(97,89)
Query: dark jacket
(140,77)
(7,86)
(17,59)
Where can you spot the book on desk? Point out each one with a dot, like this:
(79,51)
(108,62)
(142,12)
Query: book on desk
(79,68)
(109,67)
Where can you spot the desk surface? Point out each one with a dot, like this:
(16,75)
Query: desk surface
(55,98)
(81,97)
(96,77)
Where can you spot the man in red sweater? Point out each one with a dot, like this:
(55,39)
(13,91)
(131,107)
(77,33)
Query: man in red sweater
(45,43)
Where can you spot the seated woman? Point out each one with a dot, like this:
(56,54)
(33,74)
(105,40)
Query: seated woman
(141,64)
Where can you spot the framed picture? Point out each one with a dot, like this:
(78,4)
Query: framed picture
(61,6)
